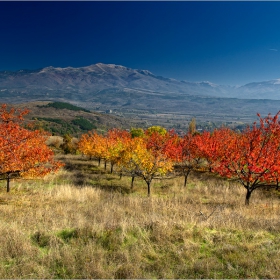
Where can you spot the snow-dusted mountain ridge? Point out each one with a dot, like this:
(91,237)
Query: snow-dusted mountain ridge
(110,86)
(89,80)
(101,76)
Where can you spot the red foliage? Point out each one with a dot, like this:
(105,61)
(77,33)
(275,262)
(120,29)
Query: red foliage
(22,152)
(252,157)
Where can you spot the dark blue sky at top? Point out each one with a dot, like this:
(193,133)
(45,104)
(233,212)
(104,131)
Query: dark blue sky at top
(223,42)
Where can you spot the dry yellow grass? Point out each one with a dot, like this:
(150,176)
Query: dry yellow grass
(85,223)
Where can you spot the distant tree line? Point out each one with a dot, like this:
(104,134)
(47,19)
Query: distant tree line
(62,127)
(63,105)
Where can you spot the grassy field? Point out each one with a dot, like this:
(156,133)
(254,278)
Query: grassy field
(86,223)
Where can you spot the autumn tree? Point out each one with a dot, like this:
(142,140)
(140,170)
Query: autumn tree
(211,145)
(116,140)
(185,154)
(192,126)
(23,153)
(93,145)
(108,147)
(129,154)
(251,157)
(150,158)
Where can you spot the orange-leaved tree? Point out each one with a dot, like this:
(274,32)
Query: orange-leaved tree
(93,145)
(130,156)
(23,153)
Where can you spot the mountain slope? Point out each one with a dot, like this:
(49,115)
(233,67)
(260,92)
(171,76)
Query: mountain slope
(98,77)
(66,119)
(260,90)
(102,87)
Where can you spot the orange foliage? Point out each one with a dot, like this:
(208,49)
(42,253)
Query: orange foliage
(251,157)
(93,145)
(23,152)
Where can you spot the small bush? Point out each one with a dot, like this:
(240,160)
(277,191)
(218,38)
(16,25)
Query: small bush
(67,234)
(41,239)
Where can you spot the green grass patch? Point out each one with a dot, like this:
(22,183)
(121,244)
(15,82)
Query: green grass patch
(67,234)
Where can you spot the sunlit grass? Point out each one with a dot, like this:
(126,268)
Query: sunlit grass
(87,223)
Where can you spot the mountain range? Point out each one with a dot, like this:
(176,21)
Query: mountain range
(109,86)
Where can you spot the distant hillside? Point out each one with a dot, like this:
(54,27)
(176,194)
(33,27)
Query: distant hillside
(60,118)
(64,118)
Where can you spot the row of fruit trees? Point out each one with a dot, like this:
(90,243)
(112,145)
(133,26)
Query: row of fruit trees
(251,157)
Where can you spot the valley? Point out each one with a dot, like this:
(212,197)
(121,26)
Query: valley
(61,121)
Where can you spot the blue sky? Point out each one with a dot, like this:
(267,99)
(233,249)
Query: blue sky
(230,43)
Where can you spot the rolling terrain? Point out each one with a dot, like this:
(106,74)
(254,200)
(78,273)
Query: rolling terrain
(59,119)
(63,118)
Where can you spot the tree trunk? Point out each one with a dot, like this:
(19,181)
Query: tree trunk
(99,160)
(186,178)
(105,164)
(8,183)
(132,181)
(185,183)
(112,167)
(149,188)
(121,173)
(248,195)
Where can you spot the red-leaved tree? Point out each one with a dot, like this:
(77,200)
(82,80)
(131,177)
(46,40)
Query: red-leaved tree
(185,154)
(23,153)
(252,157)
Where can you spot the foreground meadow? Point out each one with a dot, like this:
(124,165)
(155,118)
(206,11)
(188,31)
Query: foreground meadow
(84,222)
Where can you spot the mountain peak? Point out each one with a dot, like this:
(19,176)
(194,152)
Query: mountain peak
(207,83)
(100,76)
(55,69)
(145,72)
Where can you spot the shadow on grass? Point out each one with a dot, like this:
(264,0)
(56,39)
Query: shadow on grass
(89,167)
(119,188)
(88,173)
